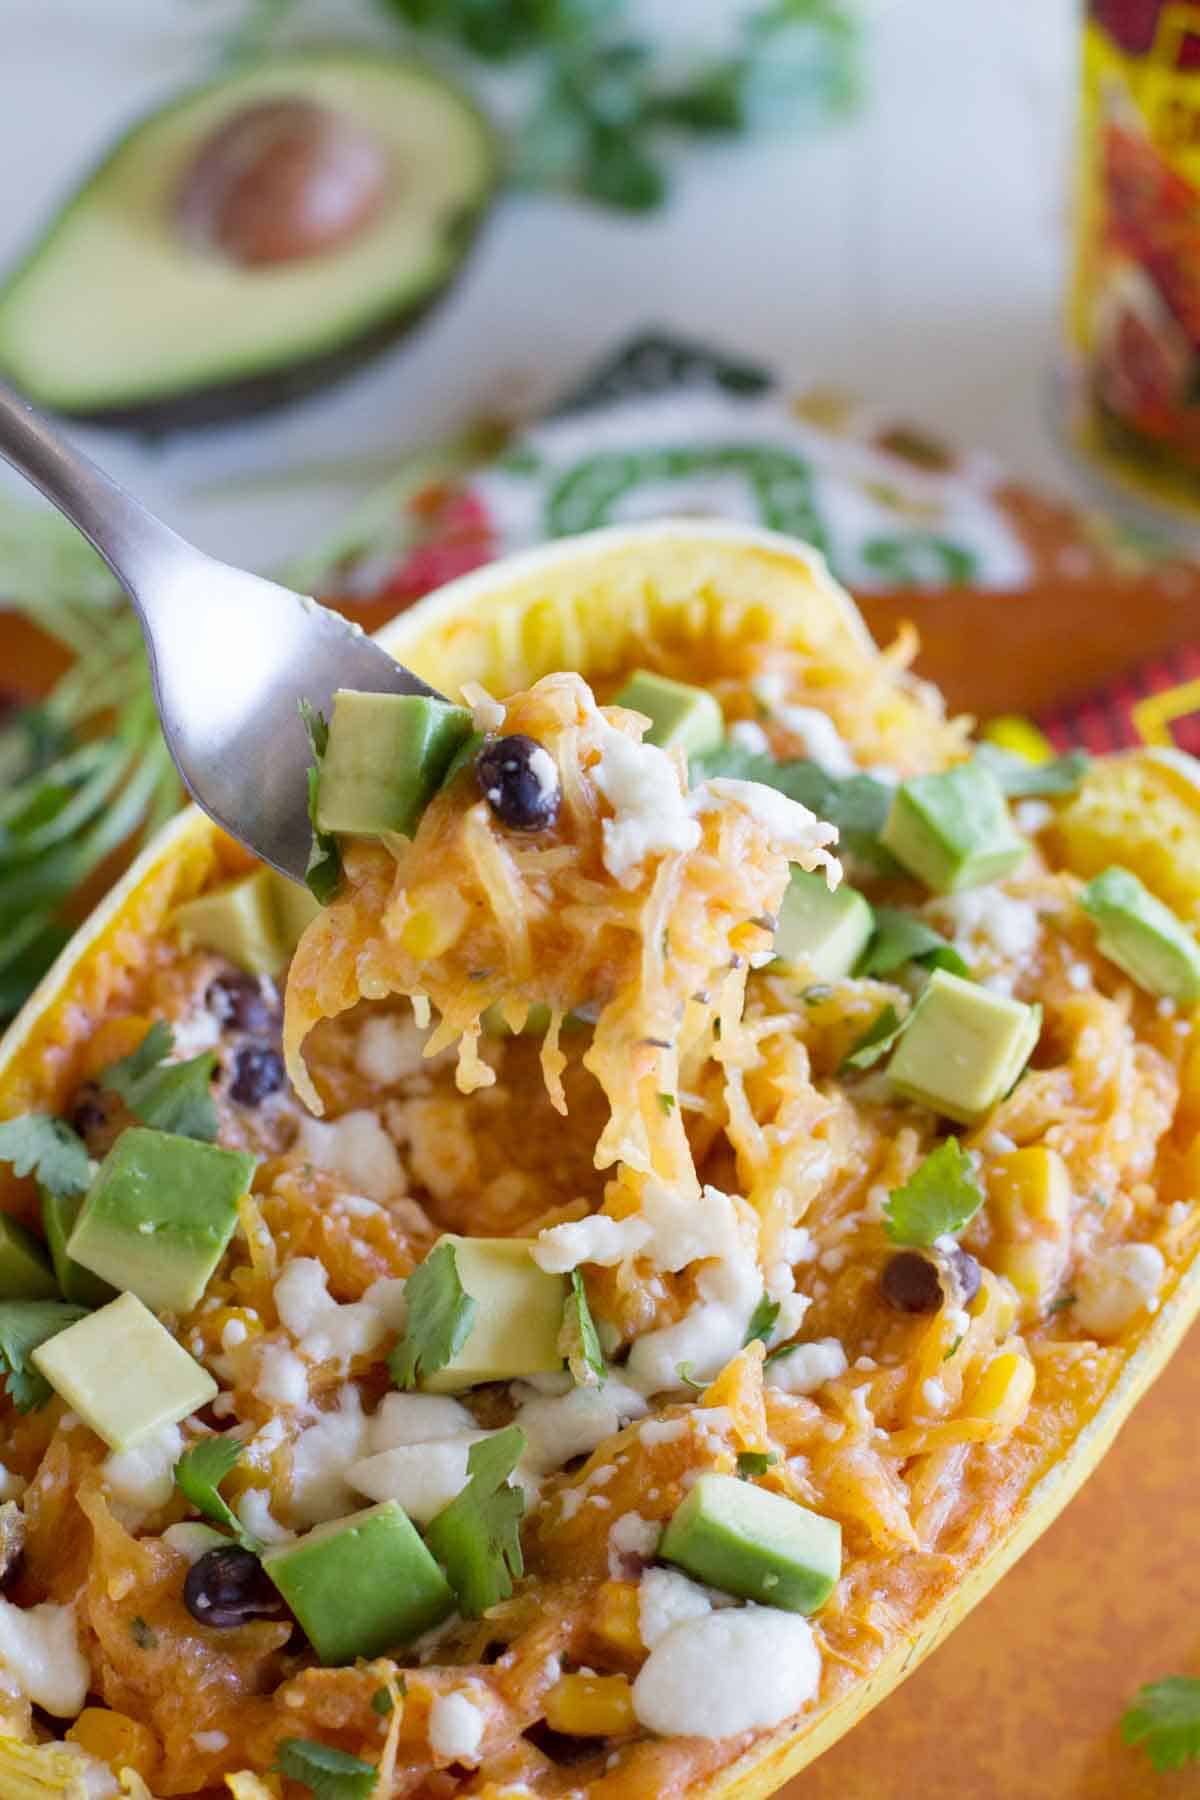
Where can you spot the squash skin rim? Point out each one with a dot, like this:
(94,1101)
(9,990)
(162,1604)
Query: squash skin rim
(780,1754)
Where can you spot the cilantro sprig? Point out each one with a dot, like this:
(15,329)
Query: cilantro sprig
(753,1463)
(1165,1719)
(324,872)
(35,1144)
(762,1321)
(477,1537)
(440,1316)
(198,1476)
(1021,779)
(579,1341)
(328,1774)
(879,1037)
(24,1324)
(939,1198)
(170,1096)
(857,804)
(900,937)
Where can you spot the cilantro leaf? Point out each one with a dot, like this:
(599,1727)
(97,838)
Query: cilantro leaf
(24,1324)
(329,1774)
(752,1463)
(200,1472)
(1021,779)
(1165,1718)
(940,1197)
(762,1321)
(875,1041)
(168,1096)
(857,804)
(36,1144)
(440,1316)
(477,1537)
(579,1340)
(901,938)
(323,875)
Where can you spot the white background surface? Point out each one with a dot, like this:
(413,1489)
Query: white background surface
(913,253)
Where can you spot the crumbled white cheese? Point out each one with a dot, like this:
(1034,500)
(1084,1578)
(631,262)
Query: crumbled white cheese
(542,767)
(1079,976)
(389,1049)
(356,1147)
(1008,926)
(193,1540)
(487,713)
(416,1419)
(282,1377)
(598,1239)
(1117,1284)
(665,1599)
(193,1034)
(326,1331)
(421,1477)
(651,815)
(934,1395)
(821,740)
(210,1743)
(456,1727)
(740,1669)
(792,830)
(39,1648)
(1032,816)
(664,1431)
(748,735)
(99,1782)
(253,1508)
(321,1457)
(807,1367)
(142,1480)
(558,1427)
(631,1539)
(706,1337)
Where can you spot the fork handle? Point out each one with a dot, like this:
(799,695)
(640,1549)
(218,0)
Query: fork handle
(133,543)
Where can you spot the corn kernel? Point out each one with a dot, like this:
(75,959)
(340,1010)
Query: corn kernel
(615,1619)
(113,1039)
(116,1739)
(245,1786)
(429,931)
(1021,737)
(1003,1391)
(1030,1207)
(590,1705)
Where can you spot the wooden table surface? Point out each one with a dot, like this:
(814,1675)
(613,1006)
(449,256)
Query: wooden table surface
(1023,1701)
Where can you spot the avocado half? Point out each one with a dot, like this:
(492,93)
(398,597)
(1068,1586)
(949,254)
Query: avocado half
(115,316)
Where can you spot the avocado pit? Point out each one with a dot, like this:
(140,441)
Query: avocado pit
(280,181)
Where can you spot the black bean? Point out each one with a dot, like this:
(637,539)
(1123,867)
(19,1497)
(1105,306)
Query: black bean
(520,783)
(89,1110)
(258,1072)
(227,1586)
(966,1273)
(238,999)
(910,1283)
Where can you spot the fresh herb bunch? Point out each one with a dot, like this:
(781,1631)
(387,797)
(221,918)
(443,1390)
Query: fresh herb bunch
(606,100)
(86,769)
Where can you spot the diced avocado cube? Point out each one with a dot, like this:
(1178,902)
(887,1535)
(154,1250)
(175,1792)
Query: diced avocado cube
(963,1047)
(296,908)
(1142,936)
(748,1541)
(240,921)
(157,1218)
(953,830)
(361,1585)
(25,1271)
(77,1284)
(123,1373)
(518,1314)
(386,756)
(681,717)
(824,933)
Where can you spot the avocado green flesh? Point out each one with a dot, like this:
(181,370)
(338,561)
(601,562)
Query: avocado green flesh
(157,1218)
(256,921)
(361,1585)
(751,1542)
(963,1047)
(1142,936)
(77,1284)
(681,716)
(824,932)
(112,315)
(518,1315)
(386,757)
(25,1271)
(953,830)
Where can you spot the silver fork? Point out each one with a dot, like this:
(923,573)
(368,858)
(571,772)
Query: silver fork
(231,655)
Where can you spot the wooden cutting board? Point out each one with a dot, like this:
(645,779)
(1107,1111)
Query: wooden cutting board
(1023,1701)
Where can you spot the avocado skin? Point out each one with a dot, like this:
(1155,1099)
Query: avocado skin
(248,396)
